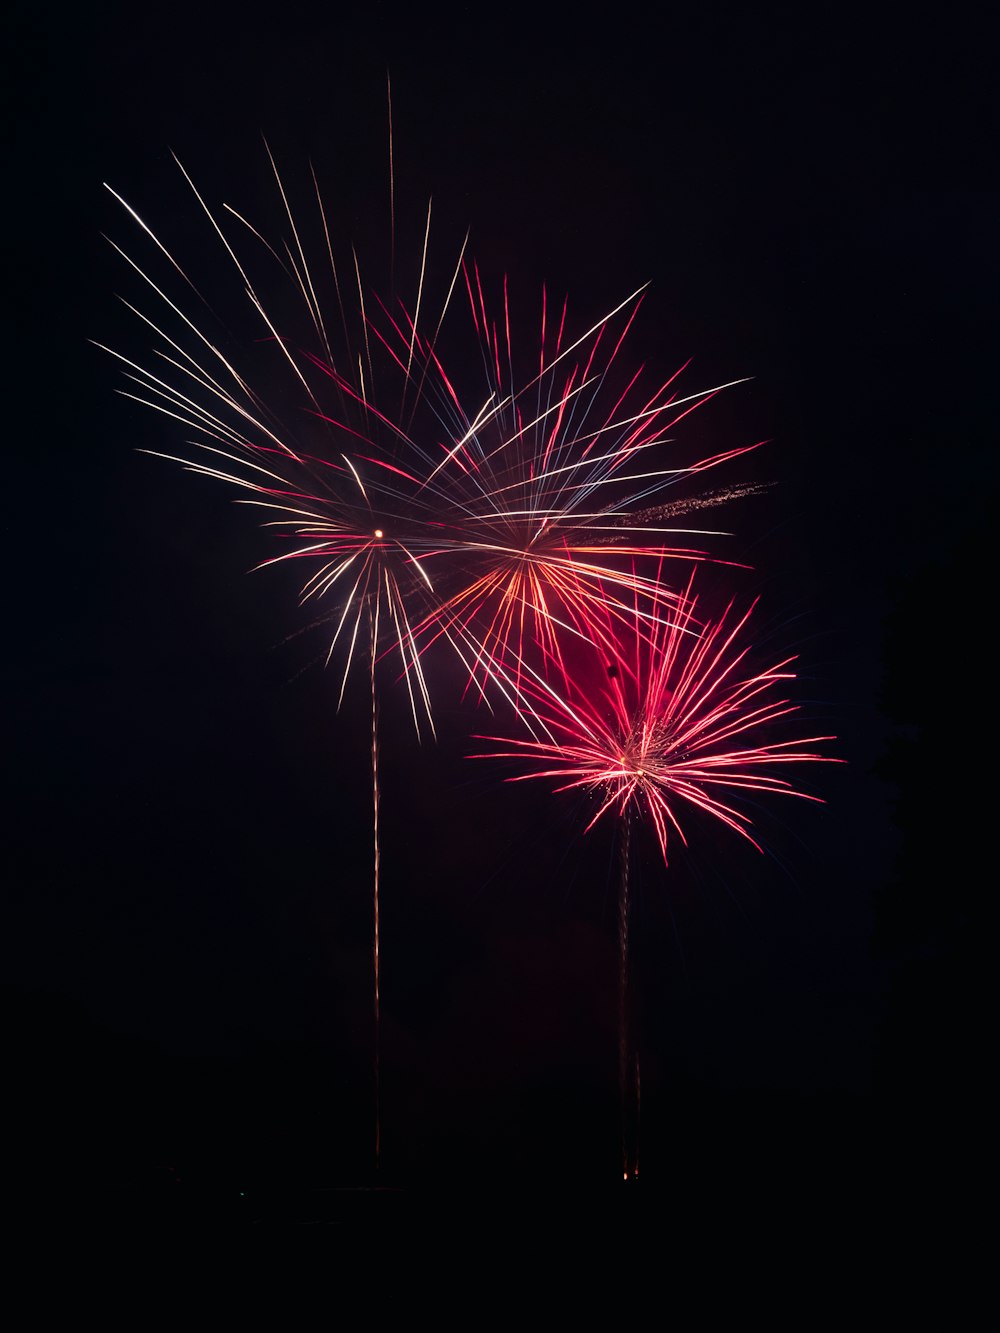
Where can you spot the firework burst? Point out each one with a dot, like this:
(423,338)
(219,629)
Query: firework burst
(563,479)
(492,505)
(500,508)
(674,717)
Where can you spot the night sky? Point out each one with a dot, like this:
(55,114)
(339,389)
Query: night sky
(186,975)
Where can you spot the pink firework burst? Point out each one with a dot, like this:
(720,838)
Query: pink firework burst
(675,717)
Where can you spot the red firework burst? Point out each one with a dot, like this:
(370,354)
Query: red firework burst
(677,717)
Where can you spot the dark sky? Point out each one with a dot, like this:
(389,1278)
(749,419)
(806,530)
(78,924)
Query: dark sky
(186,974)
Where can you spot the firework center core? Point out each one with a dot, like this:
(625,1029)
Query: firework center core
(378,533)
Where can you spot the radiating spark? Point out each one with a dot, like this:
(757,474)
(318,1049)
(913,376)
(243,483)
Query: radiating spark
(495,530)
(679,719)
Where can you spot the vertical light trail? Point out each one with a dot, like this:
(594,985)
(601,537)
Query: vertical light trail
(373,629)
(628,1060)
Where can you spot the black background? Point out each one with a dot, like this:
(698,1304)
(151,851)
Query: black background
(186,939)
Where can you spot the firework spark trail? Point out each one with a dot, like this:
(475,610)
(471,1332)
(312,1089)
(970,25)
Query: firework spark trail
(628,1058)
(377,858)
